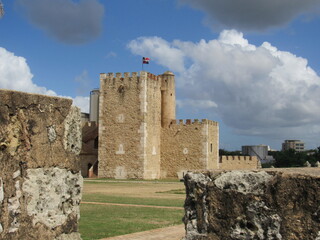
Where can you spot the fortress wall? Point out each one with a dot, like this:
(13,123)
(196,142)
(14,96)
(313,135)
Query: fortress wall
(186,145)
(40,181)
(168,98)
(152,123)
(213,144)
(119,121)
(124,134)
(261,204)
(238,162)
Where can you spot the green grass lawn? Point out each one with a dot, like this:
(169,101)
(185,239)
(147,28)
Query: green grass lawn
(102,221)
(98,221)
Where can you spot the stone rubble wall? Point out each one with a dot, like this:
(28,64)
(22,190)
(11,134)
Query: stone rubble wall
(40,180)
(247,204)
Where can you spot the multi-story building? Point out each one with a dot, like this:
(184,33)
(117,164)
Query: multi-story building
(297,145)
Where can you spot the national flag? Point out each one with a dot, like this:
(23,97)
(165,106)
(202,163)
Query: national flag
(145,60)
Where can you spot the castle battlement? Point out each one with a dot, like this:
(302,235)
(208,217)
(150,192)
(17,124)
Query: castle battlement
(153,77)
(237,158)
(125,75)
(111,79)
(119,77)
(238,162)
(193,122)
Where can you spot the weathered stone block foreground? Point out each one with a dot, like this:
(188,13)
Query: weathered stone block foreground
(40,181)
(272,204)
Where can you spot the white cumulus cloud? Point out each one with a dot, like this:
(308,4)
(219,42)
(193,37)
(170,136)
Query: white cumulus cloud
(15,74)
(82,102)
(256,90)
(159,50)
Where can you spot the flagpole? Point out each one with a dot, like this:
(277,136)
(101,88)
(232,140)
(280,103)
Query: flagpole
(145,60)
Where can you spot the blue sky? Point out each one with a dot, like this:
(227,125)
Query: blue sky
(253,66)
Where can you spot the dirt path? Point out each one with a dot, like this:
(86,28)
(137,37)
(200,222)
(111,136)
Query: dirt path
(169,233)
(132,205)
(134,189)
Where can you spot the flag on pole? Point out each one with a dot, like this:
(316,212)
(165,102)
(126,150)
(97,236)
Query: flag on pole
(145,60)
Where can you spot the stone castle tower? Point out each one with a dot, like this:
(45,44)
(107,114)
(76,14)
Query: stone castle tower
(139,136)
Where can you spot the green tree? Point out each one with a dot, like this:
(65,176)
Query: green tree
(223,152)
(291,158)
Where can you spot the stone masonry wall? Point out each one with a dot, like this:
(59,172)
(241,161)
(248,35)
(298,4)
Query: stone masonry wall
(40,181)
(152,125)
(119,121)
(239,162)
(129,126)
(212,144)
(266,204)
(189,145)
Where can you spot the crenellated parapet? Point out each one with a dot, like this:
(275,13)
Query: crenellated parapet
(108,80)
(122,82)
(153,77)
(238,158)
(118,75)
(127,77)
(238,162)
(193,122)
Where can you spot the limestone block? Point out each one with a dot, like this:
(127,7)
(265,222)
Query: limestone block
(53,194)
(72,134)
(39,131)
(40,182)
(248,204)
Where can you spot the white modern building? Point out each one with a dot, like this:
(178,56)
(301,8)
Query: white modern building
(297,145)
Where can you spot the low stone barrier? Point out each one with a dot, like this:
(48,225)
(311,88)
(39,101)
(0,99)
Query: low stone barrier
(262,204)
(40,181)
